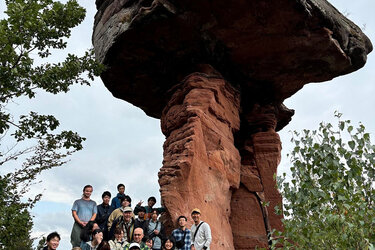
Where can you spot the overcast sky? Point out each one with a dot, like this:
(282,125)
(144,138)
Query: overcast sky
(125,146)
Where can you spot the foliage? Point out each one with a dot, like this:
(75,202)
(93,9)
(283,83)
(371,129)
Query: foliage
(329,202)
(30,32)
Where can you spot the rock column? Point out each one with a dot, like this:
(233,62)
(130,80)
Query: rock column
(201,165)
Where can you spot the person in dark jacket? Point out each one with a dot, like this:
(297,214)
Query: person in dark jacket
(116,201)
(53,241)
(140,221)
(149,208)
(104,211)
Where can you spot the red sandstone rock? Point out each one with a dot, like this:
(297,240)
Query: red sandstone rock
(201,164)
(222,151)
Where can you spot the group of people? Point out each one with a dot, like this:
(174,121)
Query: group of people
(117,226)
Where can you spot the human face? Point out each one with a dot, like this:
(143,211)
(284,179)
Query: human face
(127,216)
(151,203)
(149,243)
(106,200)
(141,215)
(87,192)
(125,203)
(53,243)
(154,216)
(98,237)
(119,236)
(182,222)
(138,235)
(168,244)
(121,190)
(196,217)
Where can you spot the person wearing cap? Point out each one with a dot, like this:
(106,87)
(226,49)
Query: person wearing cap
(182,234)
(138,236)
(126,222)
(117,213)
(104,211)
(200,232)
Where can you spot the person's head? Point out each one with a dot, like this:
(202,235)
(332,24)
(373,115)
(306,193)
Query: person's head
(104,245)
(151,201)
(134,246)
(87,230)
(121,188)
(154,214)
(141,212)
(169,243)
(53,241)
(97,236)
(128,214)
(138,234)
(125,201)
(87,191)
(119,234)
(106,197)
(149,243)
(196,215)
(182,221)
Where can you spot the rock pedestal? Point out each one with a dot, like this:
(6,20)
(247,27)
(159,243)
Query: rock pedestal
(222,150)
(201,164)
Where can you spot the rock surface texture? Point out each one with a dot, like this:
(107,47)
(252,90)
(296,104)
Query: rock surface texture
(216,73)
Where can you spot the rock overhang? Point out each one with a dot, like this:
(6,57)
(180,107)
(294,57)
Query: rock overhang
(268,50)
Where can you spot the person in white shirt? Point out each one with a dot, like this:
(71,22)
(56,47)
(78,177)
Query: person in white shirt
(200,232)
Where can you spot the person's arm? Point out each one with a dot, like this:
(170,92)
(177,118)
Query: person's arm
(93,217)
(76,218)
(207,236)
(161,209)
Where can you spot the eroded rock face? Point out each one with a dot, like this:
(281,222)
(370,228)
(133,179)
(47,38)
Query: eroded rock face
(201,164)
(216,73)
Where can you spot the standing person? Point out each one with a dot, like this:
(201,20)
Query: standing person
(155,230)
(200,232)
(138,236)
(182,234)
(83,211)
(53,241)
(150,202)
(104,211)
(116,201)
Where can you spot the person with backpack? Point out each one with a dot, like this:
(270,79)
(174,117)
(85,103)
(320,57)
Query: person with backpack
(200,232)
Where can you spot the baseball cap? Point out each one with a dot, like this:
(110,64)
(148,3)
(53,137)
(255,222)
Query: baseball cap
(128,209)
(195,210)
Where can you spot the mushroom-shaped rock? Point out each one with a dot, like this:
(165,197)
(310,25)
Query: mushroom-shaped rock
(216,73)
(269,49)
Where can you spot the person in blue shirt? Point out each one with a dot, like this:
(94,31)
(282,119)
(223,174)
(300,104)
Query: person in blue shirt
(116,201)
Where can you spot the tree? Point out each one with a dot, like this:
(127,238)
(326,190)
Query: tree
(30,31)
(329,202)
